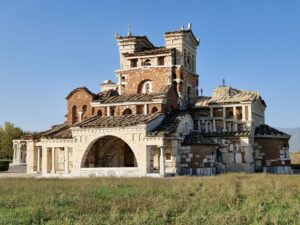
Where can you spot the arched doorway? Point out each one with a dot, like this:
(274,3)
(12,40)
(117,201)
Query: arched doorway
(109,151)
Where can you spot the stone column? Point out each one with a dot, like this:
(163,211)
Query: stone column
(44,160)
(80,115)
(244,113)
(18,154)
(145,109)
(214,126)
(162,161)
(66,151)
(224,119)
(53,160)
(15,154)
(108,110)
(199,125)
(38,167)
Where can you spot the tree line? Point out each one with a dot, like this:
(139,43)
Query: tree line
(8,132)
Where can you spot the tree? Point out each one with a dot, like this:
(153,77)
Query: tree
(7,134)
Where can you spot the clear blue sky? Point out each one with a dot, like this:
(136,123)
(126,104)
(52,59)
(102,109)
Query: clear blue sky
(50,47)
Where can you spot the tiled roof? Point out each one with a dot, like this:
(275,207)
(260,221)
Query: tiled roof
(129,98)
(106,94)
(158,50)
(202,101)
(198,138)
(61,131)
(226,94)
(130,37)
(81,88)
(228,134)
(169,124)
(117,121)
(267,131)
(136,97)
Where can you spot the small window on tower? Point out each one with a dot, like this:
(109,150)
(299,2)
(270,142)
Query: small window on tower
(133,63)
(147,88)
(161,61)
(147,62)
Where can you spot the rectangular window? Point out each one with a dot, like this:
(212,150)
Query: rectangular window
(133,63)
(161,61)
(239,113)
(218,112)
(168,156)
(229,113)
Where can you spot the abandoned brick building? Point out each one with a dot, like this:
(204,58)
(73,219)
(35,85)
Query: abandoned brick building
(152,122)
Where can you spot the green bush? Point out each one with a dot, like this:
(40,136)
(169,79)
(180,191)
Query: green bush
(4,165)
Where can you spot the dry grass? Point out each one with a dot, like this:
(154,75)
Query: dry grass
(295,157)
(224,199)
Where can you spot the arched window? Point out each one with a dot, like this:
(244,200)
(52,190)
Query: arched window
(127,112)
(147,62)
(145,87)
(74,114)
(99,112)
(154,109)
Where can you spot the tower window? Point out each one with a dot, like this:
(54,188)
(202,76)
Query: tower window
(161,61)
(147,62)
(133,63)
(147,87)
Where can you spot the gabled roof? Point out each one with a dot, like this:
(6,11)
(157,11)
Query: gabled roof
(226,94)
(117,121)
(79,89)
(267,131)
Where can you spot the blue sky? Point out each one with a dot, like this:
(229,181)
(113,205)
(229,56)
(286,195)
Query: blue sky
(50,47)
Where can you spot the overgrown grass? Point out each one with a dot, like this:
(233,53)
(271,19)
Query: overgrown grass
(223,199)
(295,157)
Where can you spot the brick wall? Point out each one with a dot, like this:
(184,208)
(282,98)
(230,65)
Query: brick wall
(270,149)
(79,99)
(160,77)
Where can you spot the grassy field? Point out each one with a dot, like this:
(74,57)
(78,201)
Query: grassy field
(223,199)
(295,157)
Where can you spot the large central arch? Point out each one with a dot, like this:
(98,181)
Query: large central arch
(109,151)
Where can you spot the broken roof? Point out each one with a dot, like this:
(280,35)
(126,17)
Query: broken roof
(155,51)
(61,131)
(117,121)
(198,138)
(226,94)
(169,124)
(134,97)
(267,131)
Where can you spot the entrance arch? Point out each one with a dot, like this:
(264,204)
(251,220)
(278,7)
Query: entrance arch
(109,151)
